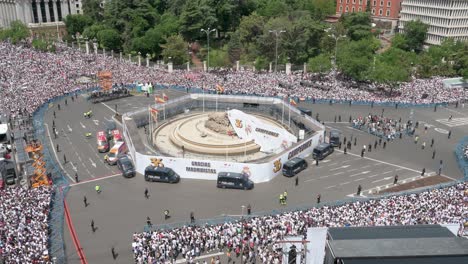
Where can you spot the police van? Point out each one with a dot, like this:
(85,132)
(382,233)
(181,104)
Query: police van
(322,151)
(161,174)
(294,166)
(335,138)
(233,180)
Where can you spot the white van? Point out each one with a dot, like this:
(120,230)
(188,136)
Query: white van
(118,149)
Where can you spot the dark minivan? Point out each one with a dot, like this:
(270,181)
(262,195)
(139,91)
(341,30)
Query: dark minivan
(335,138)
(234,180)
(125,165)
(161,174)
(294,166)
(322,151)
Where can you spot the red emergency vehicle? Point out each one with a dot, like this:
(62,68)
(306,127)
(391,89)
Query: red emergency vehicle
(117,136)
(102,142)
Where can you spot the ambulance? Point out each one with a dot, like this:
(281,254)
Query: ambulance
(102,142)
(117,150)
(117,137)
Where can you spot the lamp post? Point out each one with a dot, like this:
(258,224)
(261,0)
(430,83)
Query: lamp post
(95,46)
(336,38)
(208,31)
(277,34)
(139,59)
(147,59)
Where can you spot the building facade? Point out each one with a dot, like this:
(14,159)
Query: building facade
(446,19)
(385,13)
(36,12)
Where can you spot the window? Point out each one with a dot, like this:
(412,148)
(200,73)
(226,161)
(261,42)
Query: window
(381,2)
(354,1)
(341,9)
(341,1)
(388,13)
(373,11)
(346,10)
(77,5)
(380,12)
(389,4)
(352,9)
(360,9)
(360,2)
(375,2)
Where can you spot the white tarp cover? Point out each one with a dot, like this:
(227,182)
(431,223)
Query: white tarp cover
(270,138)
(3,129)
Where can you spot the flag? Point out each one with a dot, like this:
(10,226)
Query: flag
(153,110)
(292,102)
(219,88)
(159,100)
(165,97)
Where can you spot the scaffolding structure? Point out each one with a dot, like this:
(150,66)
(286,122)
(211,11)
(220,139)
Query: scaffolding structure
(105,80)
(39,177)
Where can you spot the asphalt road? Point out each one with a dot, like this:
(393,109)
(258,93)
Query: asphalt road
(121,209)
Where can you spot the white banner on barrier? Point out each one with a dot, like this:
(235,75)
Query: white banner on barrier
(208,169)
(270,138)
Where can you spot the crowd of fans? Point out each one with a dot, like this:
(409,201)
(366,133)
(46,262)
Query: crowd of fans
(29,78)
(378,125)
(256,235)
(24,225)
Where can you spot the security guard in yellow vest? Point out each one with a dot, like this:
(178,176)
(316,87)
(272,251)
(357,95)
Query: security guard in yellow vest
(98,188)
(285,195)
(281,199)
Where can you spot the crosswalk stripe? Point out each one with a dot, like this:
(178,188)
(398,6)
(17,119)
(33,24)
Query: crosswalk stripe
(454,122)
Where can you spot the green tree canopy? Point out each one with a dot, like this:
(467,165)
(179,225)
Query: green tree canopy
(355,58)
(415,35)
(77,23)
(93,9)
(17,32)
(320,64)
(109,39)
(175,49)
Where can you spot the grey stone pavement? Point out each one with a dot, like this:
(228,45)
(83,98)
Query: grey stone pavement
(121,209)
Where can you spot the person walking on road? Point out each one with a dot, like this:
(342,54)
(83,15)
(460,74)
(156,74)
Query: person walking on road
(316,161)
(98,189)
(297,180)
(192,217)
(114,254)
(423,146)
(64,159)
(433,154)
(76,177)
(432,143)
(249,209)
(54,115)
(345,150)
(385,144)
(93,228)
(318,198)
(449,134)
(359,189)
(146,193)
(285,195)
(57,147)
(85,201)
(395,179)
(423,171)
(148,222)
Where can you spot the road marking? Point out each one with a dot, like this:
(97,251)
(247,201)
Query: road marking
(323,177)
(372,176)
(332,164)
(325,161)
(384,179)
(108,120)
(367,166)
(96,122)
(363,172)
(359,179)
(55,153)
(329,187)
(92,162)
(344,183)
(69,128)
(342,167)
(451,110)
(83,126)
(351,170)
(96,179)
(109,107)
(387,172)
(441,130)
(454,122)
(200,257)
(73,166)
(338,173)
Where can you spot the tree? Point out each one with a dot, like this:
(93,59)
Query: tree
(109,39)
(92,31)
(197,14)
(234,48)
(77,23)
(415,34)
(92,9)
(357,25)
(355,58)
(17,32)
(175,49)
(321,63)
(272,8)
(219,57)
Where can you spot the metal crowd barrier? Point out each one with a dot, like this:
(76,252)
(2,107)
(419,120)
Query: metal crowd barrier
(462,160)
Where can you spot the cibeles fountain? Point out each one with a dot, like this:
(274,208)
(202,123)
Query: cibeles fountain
(231,135)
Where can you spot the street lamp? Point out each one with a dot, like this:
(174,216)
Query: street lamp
(208,31)
(336,38)
(95,46)
(277,33)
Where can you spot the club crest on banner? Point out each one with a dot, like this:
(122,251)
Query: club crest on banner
(277,165)
(238,123)
(157,162)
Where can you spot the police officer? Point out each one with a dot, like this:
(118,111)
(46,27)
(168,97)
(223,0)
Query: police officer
(64,159)
(297,180)
(146,193)
(432,143)
(355,141)
(318,198)
(285,196)
(166,214)
(76,177)
(93,228)
(281,199)
(249,209)
(58,106)
(395,179)
(148,221)
(370,147)
(385,144)
(345,150)
(423,171)
(106,159)
(85,201)
(192,217)
(97,188)
(316,161)
(433,154)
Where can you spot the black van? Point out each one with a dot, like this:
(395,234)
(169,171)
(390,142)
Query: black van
(124,163)
(234,180)
(335,138)
(161,174)
(294,166)
(322,151)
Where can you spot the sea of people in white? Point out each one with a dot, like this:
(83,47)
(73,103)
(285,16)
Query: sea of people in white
(24,225)
(378,125)
(257,235)
(29,78)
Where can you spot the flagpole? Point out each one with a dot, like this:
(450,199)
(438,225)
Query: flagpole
(217,102)
(289,113)
(282,114)
(164,109)
(203,91)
